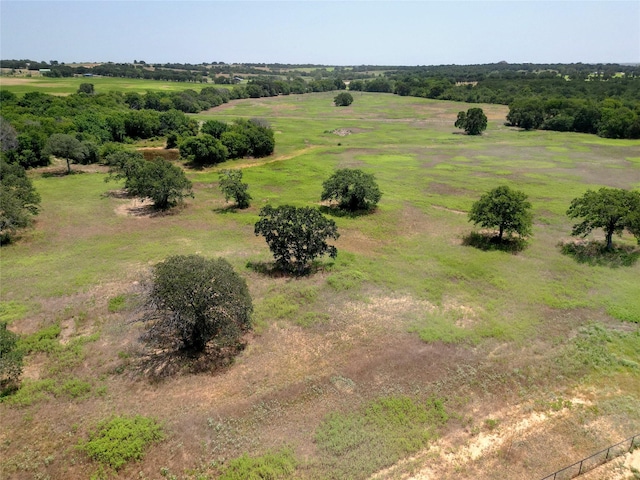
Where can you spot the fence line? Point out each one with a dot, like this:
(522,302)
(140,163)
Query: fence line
(595,460)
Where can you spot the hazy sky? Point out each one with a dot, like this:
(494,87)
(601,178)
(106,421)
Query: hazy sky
(322,32)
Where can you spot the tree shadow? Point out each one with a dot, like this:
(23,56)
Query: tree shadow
(273,270)
(60,173)
(336,211)
(162,363)
(488,242)
(233,208)
(595,253)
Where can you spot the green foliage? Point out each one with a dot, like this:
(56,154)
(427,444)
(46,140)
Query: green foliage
(215,128)
(18,202)
(119,440)
(10,359)
(296,236)
(232,187)
(474,121)
(10,311)
(506,209)
(203,149)
(44,340)
(87,88)
(196,300)
(612,209)
(353,189)
(360,443)
(159,180)
(343,99)
(65,146)
(272,465)
(526,113)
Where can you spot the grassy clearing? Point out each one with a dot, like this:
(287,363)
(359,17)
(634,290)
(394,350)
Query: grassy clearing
(340,358)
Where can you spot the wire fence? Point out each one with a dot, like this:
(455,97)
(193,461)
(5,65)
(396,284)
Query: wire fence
(596,459)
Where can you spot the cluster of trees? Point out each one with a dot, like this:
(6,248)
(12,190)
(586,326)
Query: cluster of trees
(219,141)
(609,118)
(599,99)
(19,201)
(159,180)
(612,209)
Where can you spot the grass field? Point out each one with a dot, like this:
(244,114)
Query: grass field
(409,356)
(66,86)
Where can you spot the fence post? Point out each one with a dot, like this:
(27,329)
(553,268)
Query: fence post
(580,469)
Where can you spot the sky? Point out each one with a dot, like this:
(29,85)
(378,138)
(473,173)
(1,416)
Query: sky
(322,32)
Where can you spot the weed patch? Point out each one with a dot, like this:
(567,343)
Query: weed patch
(272,465)
(117,441)
(355,445)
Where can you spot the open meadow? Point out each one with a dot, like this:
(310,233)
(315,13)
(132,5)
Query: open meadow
(411,355)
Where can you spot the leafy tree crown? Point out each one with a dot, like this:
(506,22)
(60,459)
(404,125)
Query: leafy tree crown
(296,235)
(505,209)
(195,300)
(353,189)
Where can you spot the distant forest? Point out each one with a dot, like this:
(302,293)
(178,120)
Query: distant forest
(602,99)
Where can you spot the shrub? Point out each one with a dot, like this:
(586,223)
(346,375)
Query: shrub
(343,99)
(121,439)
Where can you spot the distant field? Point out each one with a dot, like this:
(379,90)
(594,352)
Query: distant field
(508,366)
(65,86)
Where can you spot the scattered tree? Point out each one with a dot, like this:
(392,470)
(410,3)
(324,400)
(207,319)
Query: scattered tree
(195,300)
(473,122)
(18,200)
(343,99)
(505,209)
(160,180)
(353,189)
(612,209)
(296,235)
(232,187)
(65,146)
(10,359)
(86,88)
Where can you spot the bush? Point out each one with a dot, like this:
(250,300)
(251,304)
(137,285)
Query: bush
(296,236)
(121,439)
(194,300)
(343,99)
(353,189)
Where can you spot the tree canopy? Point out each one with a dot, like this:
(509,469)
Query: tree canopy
(343,99)
(353,189)
(612,209)
(193,300)
(159,180)
(505,209)
(232,187)
(65,146)
(474,121)
(296,235)
(18,201)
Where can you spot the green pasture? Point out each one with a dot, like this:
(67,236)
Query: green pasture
(428,173)
(66,86)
